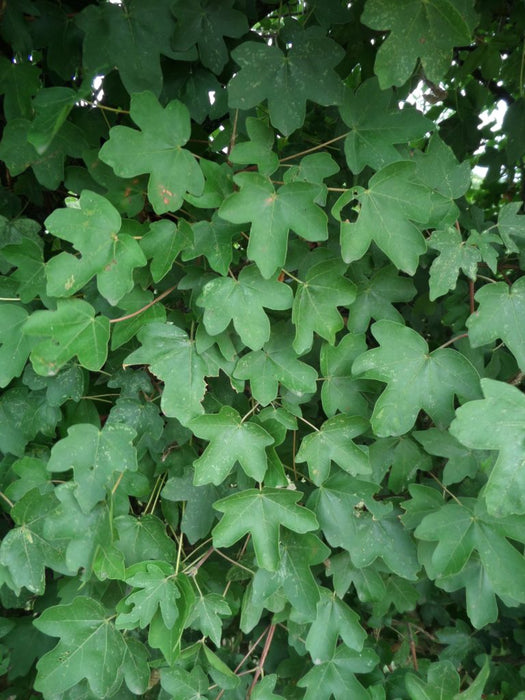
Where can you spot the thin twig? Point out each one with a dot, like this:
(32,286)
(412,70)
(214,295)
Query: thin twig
(453,340)
(264,654)
(314,148)
(144,308)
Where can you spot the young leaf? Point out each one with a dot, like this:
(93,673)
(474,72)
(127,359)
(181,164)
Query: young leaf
(156,149)
(334,619)
(94,455)
(341,391)
(336,677)
(172,358)
(496,423)
(245,442)
(85,633)
(156,589)
(455,254)
(501,314)
(316,301)
(261,513)
(417,379)
(293,75)
(72,330)
(273,214)
(206,616)
(163,242)
(333,442)
(242,301)
(275,363)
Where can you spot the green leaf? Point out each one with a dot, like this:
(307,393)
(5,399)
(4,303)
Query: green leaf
(93,229)
(131,38)
(365,535)
(142,539)
(442,682)
(52,106)
(334,619)
(261,513)
(495,423)
(275,364)
(94,455)
(186,685)
(15,347)
(435,27)
(298,554)
(264,689)
(156,149)
(511,226)
(376,296)
(316,301)
(417,379)
(394,202)
(24,549)
(169,640)
(459,529)
(206,616)
(172,357)
(258,149)
(205,23)
(155,589)
(293,75)
(85,633)
(163,243)
(273,213)
(213,239)
(241,301)
(461,461)
(455,254)
(72,330)
(500,314)
(333,442)
(336,677)
(30,273)
(376,125)
(245,441)
(341,391)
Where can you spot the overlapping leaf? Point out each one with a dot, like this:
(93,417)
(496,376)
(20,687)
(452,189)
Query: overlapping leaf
(293,75)
(72,330)
(273,213)
(315,305)
(333,442)
(496,423)
(94,229)
(156,149)
(242,301)
(94,455)
(394,202)
(231,440)
(275,364)
(424,30)
(376,126)
(172,357)
(261,513)
(501,314)
(85,632)
(417,379)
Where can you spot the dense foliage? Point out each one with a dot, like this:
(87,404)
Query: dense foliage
(262,343)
